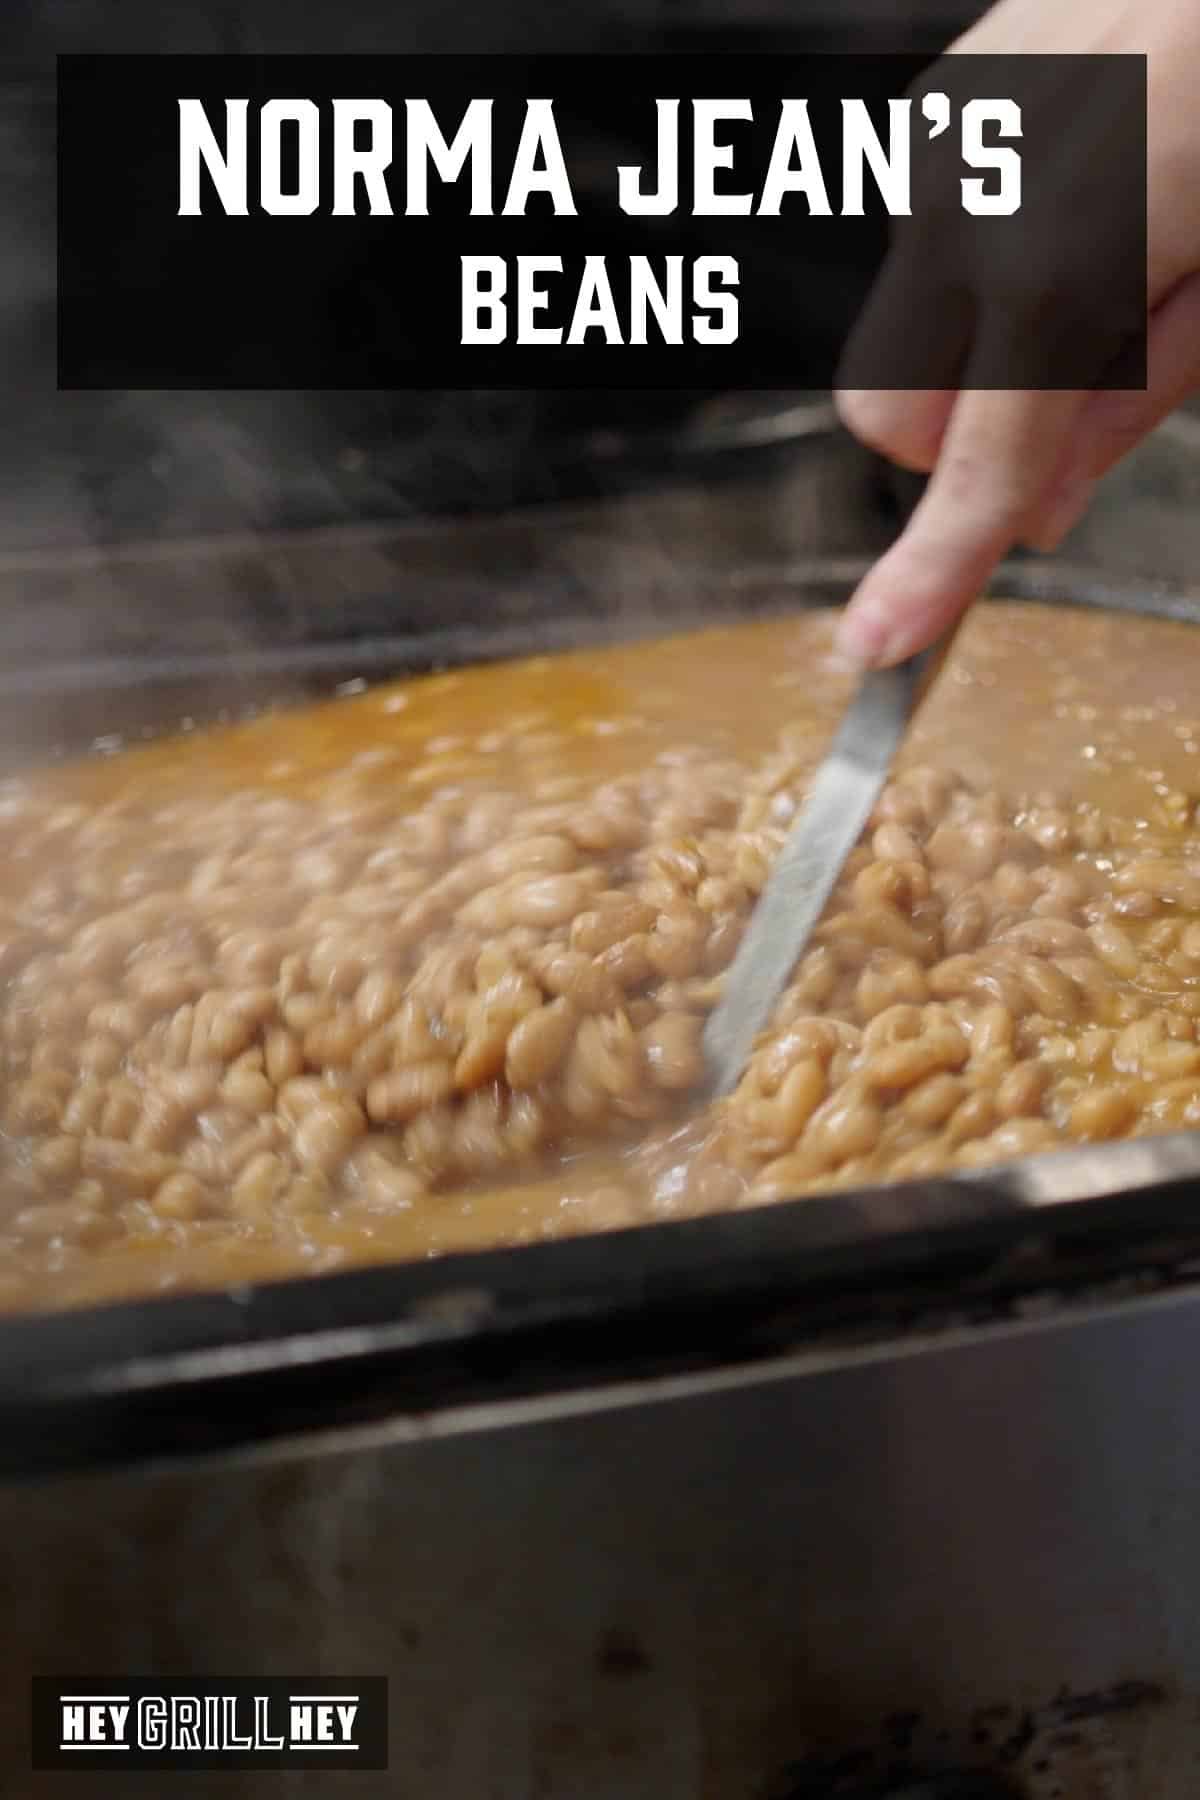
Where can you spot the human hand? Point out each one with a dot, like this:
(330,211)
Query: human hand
(1011,467)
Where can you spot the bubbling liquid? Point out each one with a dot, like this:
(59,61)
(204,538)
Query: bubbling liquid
(426,969)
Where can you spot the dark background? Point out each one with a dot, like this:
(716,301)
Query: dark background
(82,469)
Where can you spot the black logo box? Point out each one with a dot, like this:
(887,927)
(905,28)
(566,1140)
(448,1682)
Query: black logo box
(1052,296)
(261,1709)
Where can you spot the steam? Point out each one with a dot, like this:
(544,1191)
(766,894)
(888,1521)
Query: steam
(213,529)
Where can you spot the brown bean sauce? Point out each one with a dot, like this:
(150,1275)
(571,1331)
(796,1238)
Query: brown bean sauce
(425,969)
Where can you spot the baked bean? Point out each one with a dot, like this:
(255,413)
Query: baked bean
(399,1097)
(443,973)
(83,1109)
(675,947)
(957,975)
(181,1198)
(800,1093)
(1020,1090)
(482,1055)
(1161,879)
(412,1033)
(378,998)
(63,1221)
(297,1095)
(965,923)
(420,968)
(1095,983)
(1049,937)
(930,1102)
(119,1019)
(248,1089)
(1139,905)
(971,1118)
(190,1089)
(571,975)
(1052,993)
(36,1106)
(752,861)
(897,1024)
(324,1135)
(893,843)
(1115,948)
(164,985)
(615,918)
(1014,887)
(539,1042)
(902,1065)
(158,1124)
(887,980)
(513,994)
(1170,1060)
(974,850)
(886,927)
(101,946)
(259,1186)
(1050,828)
(300,1013)
(606,1054)
(1094,1047)
(899,805)
(251,956)
(673,1052)
(847,1124)
(373,1054)
(628,962)
(991,1030)
(123,1109)
(1176,1104)
(723,942)
(1102,1112)
(56,1159)
(336,966)
(100,1055)
(787,1176)
(332,1042)
(1020,1137)
(804,1038)
(816,978)
(383,1184)
(548,853)
(1136,1040)
(931,789)
(546,901)
(128,1169)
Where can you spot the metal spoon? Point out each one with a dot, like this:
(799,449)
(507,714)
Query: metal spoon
(838,805)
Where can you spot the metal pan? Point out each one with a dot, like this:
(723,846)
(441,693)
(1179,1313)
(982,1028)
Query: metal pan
(793,1505)
(554,1326)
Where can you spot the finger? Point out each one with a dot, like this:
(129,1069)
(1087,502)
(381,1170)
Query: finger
(908,428)
(1000,453)
(932,318)
(1112,424)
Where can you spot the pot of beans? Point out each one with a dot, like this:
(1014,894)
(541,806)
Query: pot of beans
(379,1296)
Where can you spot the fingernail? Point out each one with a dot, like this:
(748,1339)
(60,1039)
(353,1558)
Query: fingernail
(1061,517)
(862,637)
(872,640)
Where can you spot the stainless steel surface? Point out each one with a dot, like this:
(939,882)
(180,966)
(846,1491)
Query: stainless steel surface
(804,874)
(982,1547)
(551,1329)
(706,1586)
